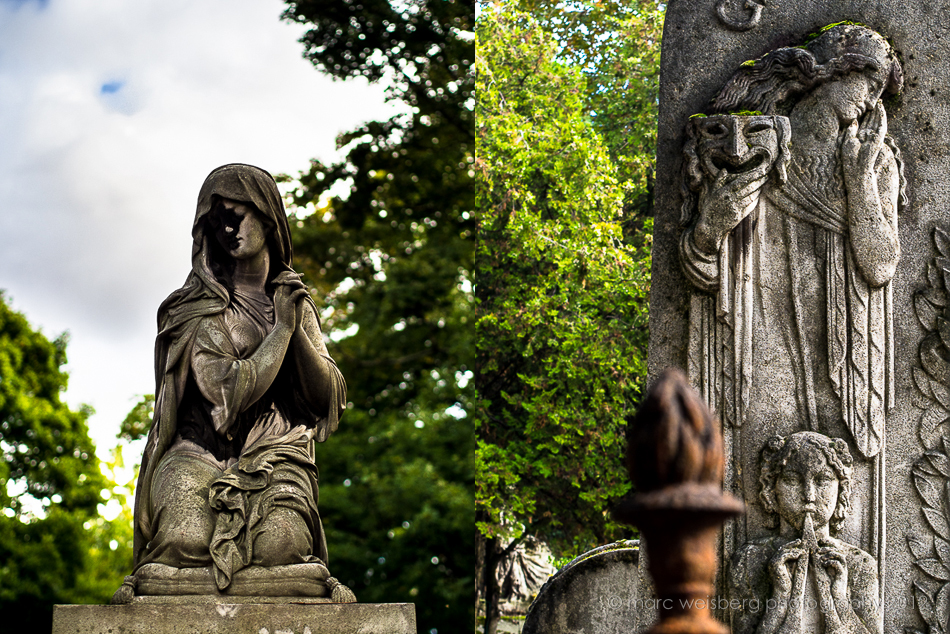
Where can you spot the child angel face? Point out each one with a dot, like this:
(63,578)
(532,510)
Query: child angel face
(806,474)
(807,485)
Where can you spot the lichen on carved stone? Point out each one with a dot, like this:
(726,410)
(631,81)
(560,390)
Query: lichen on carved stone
(804,579)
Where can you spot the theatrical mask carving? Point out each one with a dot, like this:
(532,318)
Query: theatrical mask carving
(728,160)
(805,579)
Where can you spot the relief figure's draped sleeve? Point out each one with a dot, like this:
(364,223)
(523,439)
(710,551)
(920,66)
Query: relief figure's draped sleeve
(332,391)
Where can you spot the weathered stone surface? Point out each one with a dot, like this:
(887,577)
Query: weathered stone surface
(604,591)
(166,617)
(777,344)
(226,501)
(803,579)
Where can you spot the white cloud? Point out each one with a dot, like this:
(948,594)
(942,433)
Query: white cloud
(111,115)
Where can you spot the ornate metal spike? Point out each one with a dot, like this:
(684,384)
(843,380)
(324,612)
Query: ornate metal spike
(675,459)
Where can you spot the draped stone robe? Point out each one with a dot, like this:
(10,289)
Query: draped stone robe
(786,334)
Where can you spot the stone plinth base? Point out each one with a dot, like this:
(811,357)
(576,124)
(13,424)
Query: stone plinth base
(289,617)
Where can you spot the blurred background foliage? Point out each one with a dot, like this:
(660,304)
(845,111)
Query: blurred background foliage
(55,547)
(566,101)
(386,237)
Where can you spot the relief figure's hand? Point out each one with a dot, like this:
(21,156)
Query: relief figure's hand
(727,201)
(831,575)
(861,144)
(783,564)
(831,571)
(787,569)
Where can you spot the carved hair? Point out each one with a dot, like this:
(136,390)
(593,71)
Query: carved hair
(773,83)
(779,450)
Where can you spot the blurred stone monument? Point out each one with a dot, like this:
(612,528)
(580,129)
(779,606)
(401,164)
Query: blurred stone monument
(228,534)
(604,591)
(800,278)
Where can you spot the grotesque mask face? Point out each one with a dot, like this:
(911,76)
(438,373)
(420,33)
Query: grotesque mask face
(737,143)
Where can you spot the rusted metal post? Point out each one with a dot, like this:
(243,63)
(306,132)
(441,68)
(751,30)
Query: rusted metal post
(675,459)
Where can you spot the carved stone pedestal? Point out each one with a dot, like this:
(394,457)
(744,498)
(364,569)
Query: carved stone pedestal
(238,615)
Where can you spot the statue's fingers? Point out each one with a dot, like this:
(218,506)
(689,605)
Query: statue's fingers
(878,124)
(880,114)
(298,294)
(751,187)
(286,277)
(721,178)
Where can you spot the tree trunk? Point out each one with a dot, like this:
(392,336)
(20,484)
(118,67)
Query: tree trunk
(490,586)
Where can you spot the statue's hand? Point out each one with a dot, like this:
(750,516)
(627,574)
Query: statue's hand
(301,309)
(779,569)
(286,299)
(861,144)
(726,202)
(832,569)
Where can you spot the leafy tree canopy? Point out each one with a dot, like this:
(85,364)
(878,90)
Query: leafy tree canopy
(562,269)
(385,237)
(50,484)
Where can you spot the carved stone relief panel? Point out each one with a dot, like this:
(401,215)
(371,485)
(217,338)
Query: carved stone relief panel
(802,578)
(791,192)
(794,280)
(931,472)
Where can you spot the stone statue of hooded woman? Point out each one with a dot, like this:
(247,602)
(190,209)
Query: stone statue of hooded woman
(226,500)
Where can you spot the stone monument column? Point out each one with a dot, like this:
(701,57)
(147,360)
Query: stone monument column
(799,262)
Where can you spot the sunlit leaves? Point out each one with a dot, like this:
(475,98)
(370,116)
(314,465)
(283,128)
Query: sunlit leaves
(562,297)
(50,483)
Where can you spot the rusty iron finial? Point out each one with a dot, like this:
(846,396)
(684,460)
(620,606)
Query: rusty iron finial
(675,459)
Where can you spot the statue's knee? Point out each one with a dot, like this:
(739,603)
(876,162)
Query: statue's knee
(284,539)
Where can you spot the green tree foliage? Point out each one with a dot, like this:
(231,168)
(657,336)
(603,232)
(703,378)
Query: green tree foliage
(616,46)
(50,482)
(108,542)
(138,421)
(385,237)
(562,274)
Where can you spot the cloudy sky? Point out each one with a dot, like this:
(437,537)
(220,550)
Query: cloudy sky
(112,112)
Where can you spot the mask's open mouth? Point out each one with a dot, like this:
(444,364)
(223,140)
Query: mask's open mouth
(739,165)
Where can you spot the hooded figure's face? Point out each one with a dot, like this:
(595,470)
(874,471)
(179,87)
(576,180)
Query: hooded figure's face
(247,187)
(239,230)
